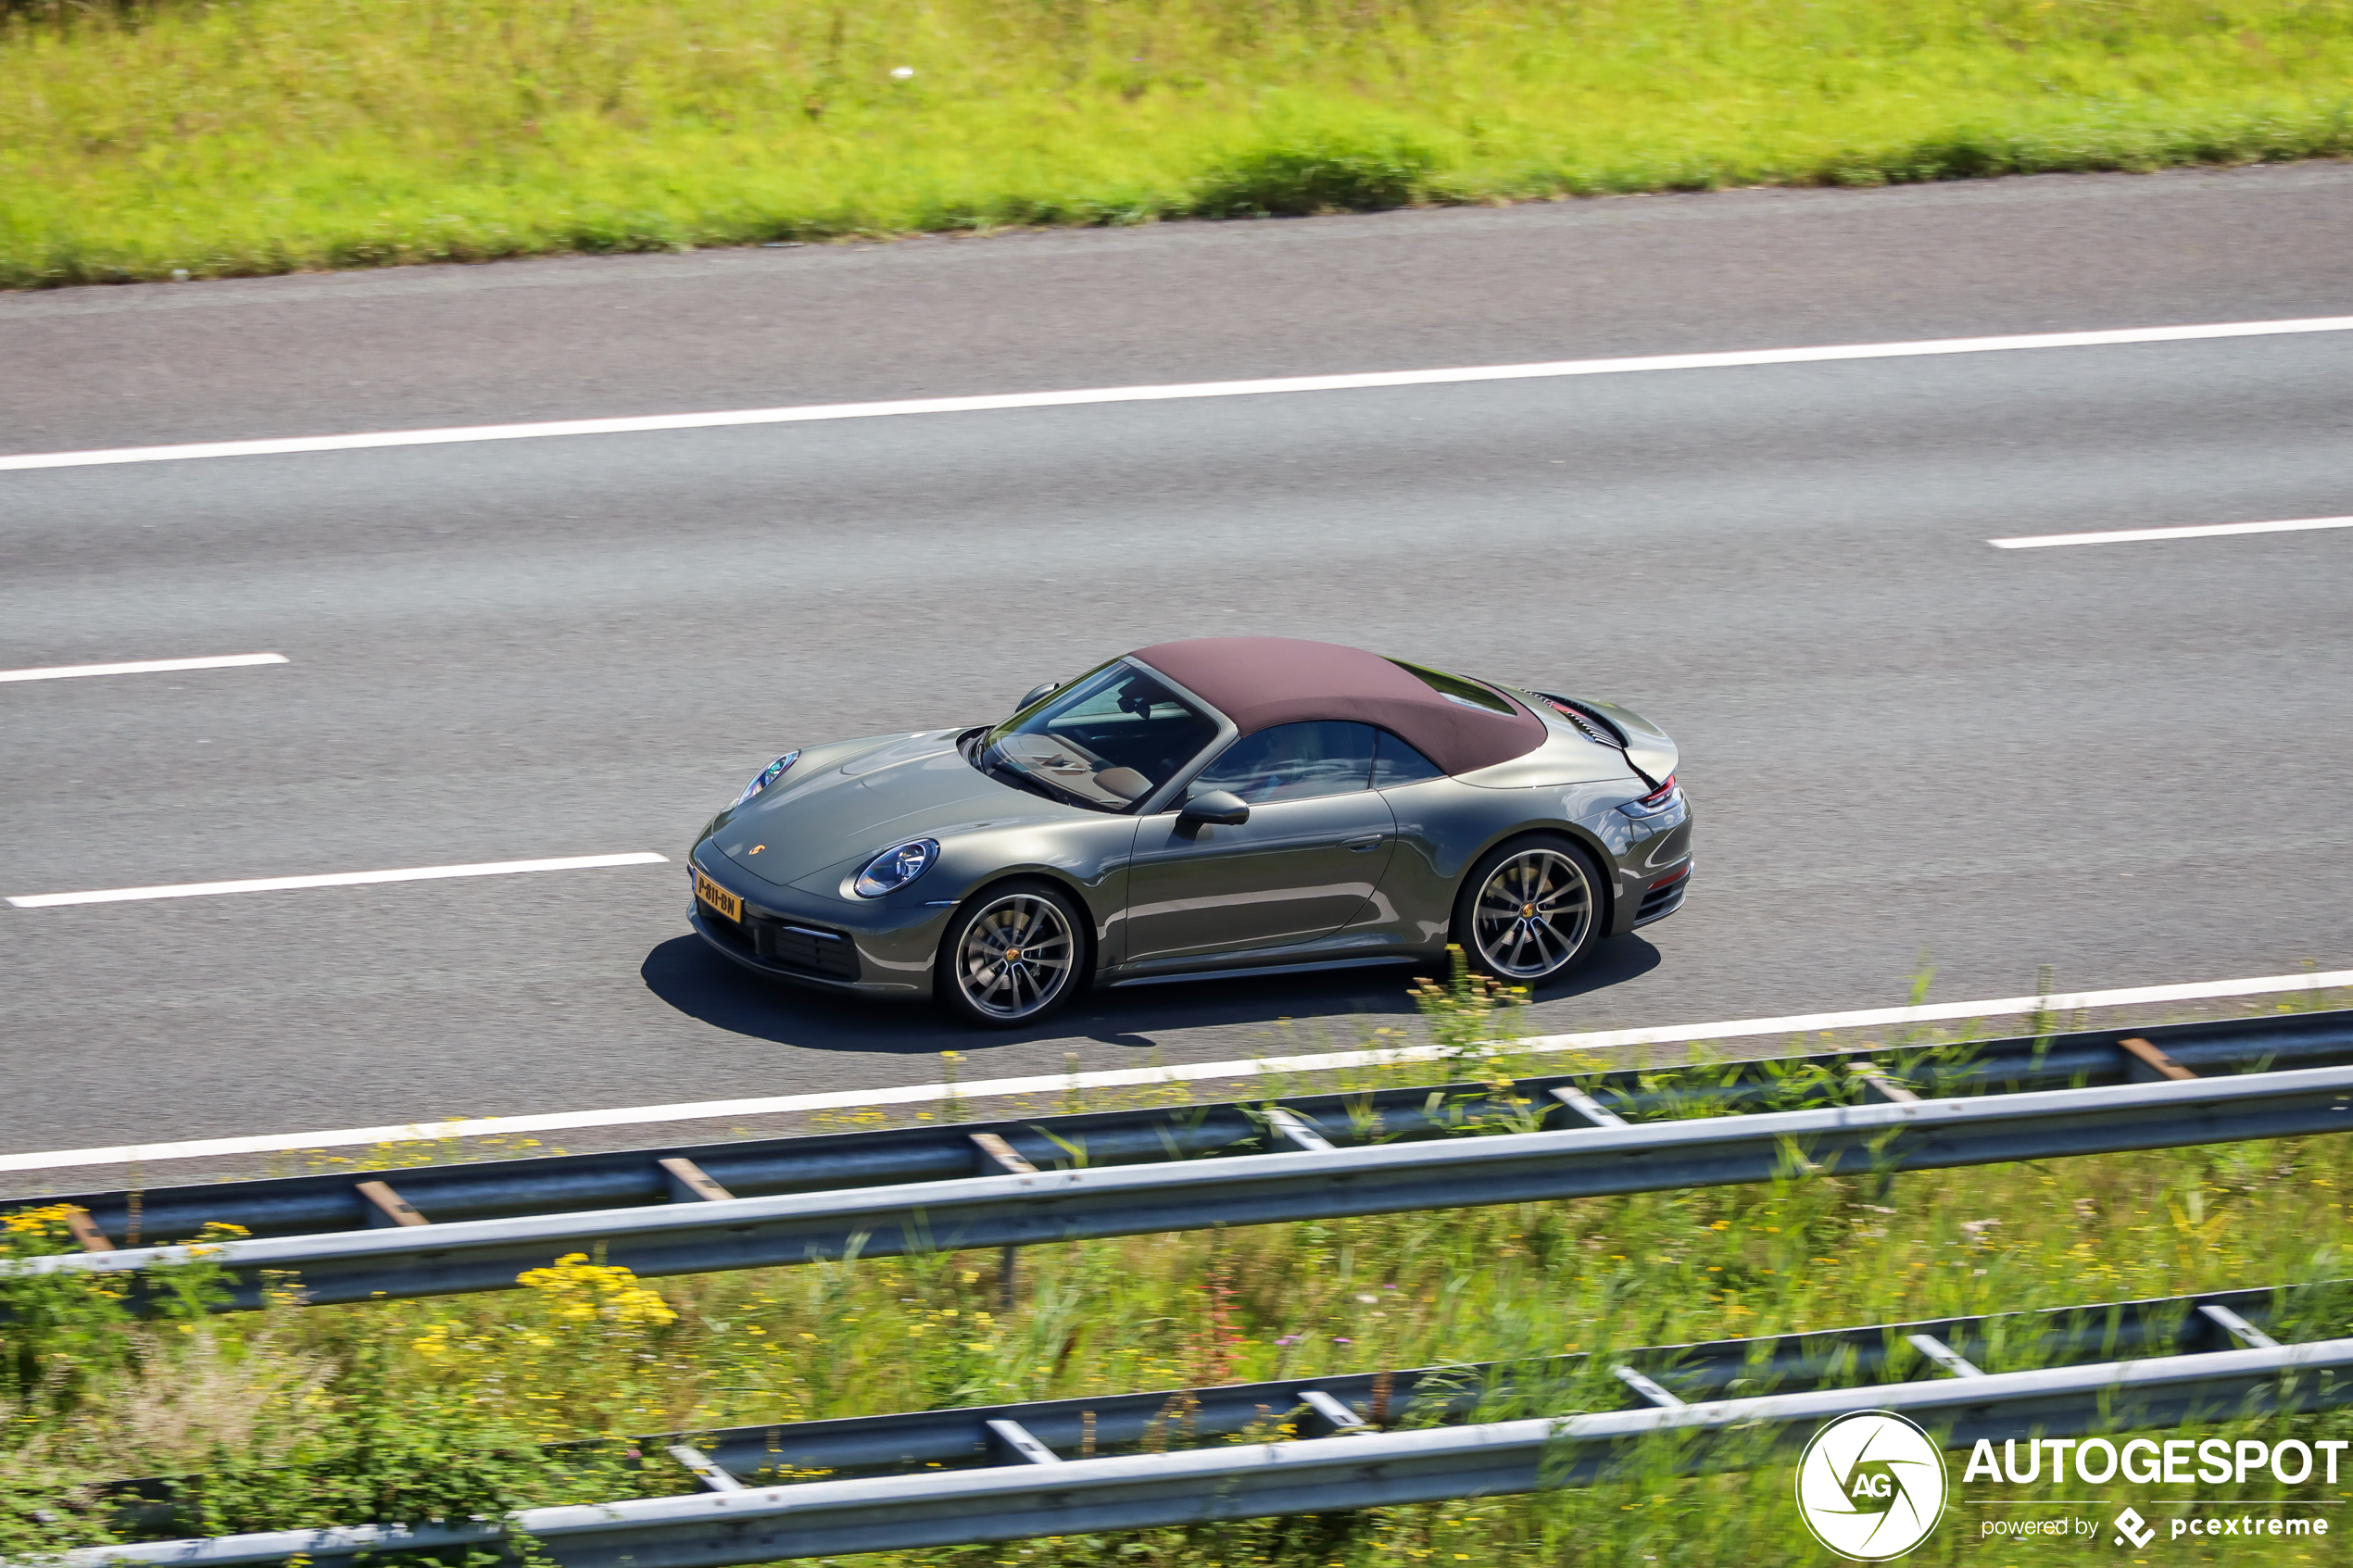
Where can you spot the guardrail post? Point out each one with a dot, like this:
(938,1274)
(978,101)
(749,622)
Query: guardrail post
(86,1232)
(688,1184)
(1296,1132)
(1586,1109)
(1881,1084)
(1944,1355)
(1000,1159)
(1646,1388)
(2148,1064)
(1012,1438)
(1342,1421)
(1884,1086)
(2237,1327)
(713,1475)
(387,1208)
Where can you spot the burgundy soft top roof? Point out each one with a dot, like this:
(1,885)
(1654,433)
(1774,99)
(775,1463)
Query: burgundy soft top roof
(1260,682)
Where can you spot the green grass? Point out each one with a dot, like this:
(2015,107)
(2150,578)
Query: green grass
(413,1408)
(248,136)
(439,1408)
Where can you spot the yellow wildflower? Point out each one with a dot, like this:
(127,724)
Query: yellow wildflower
(579,1291)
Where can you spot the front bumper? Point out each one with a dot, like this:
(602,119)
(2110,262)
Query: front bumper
(881,948)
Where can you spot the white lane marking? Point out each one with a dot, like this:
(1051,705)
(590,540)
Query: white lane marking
(923,1094)
(808,412)
(2194,531)
(142,666)
(335,879)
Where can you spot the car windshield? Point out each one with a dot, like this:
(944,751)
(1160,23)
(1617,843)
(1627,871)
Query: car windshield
(1106,741)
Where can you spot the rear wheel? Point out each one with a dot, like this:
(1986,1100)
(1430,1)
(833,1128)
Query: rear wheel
(1531,910)
(1010,956)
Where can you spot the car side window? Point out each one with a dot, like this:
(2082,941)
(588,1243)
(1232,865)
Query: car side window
(1394,762)
(1293,762)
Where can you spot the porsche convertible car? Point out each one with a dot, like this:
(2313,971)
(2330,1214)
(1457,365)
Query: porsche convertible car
(1213,805)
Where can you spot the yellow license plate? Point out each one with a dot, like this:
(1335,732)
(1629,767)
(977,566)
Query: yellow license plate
(718,898)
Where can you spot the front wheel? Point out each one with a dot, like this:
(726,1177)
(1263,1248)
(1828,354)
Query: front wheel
(1531,910)
(1010,956)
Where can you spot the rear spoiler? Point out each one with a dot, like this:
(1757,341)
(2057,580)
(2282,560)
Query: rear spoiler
(1647,748)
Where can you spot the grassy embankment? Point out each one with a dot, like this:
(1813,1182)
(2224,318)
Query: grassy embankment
(246,136)
(435,1407)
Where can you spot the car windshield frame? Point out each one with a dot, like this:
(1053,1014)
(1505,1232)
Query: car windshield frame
(1035,766)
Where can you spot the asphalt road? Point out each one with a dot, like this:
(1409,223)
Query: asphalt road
(2128,762)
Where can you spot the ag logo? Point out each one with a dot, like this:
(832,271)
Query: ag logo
(1870,1485)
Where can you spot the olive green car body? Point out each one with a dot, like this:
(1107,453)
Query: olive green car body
(1164,897)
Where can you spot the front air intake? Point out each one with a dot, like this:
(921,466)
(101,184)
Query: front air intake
(809,947)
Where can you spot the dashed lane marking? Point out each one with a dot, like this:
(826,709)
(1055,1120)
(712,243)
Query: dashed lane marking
(333,879)
(2192,531)
(142,666)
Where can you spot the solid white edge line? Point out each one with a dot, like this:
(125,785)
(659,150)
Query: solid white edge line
(2192,531)
(335,879)
(142,666)
(1552,369)
(916,1093)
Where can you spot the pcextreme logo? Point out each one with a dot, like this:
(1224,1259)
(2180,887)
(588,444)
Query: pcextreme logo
(1871,1486)
(2209,1464)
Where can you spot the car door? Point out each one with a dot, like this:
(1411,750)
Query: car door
(1303,866)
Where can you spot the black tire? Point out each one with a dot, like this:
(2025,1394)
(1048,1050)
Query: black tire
(1521,932)
(1042,928)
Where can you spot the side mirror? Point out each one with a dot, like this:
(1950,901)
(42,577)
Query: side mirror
(1043,688)
(1214,805)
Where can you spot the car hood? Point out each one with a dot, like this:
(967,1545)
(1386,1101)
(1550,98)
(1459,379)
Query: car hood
(855,807)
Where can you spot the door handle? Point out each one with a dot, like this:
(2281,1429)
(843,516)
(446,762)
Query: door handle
(1368,841)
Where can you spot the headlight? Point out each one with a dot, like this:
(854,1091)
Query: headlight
(768,775)
(894,869)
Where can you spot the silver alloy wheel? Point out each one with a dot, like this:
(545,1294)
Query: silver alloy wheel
(1015,956)
(1532,913)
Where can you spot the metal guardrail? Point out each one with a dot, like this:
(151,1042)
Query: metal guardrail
(492,1189)
(1853,1358)
(1102,1425)
(1123,1173)
(1025,1486)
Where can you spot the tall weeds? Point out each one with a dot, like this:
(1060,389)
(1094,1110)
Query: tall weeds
(431,1408)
